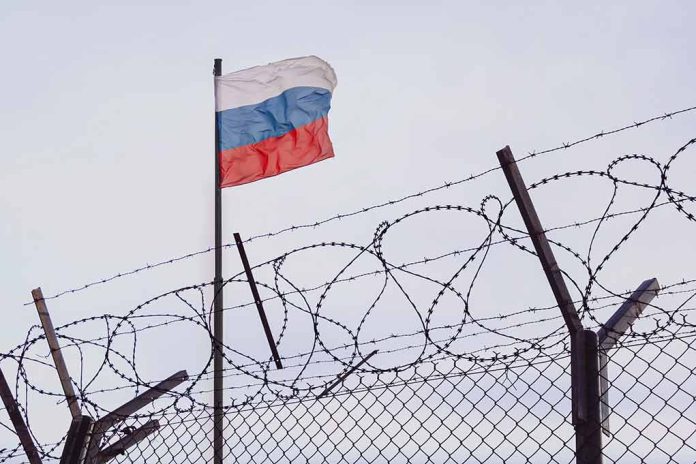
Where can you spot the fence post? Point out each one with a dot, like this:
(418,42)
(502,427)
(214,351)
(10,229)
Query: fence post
(19,426)
(612,331)
(257,300)
(94,454)
(554,275)
(584,360)
(588,432)
(58,360)
(78,435)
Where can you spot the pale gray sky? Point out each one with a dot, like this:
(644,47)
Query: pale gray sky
(107,134)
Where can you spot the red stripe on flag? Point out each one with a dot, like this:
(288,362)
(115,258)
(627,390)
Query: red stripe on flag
(300,147)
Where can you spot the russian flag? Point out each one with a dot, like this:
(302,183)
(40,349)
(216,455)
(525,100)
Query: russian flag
(273,118)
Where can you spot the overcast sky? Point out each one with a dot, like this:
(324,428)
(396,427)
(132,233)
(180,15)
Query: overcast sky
(106,131)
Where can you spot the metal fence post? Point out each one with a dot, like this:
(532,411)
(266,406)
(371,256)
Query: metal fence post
(76,439)
(54,345)
(588,432)
(20,427)
(584,359)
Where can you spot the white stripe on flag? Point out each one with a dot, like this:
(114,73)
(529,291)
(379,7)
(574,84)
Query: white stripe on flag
(257,84)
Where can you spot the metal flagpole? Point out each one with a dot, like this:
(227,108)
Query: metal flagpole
(217,298)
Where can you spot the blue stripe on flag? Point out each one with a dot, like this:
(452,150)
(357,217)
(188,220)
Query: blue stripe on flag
(274,117)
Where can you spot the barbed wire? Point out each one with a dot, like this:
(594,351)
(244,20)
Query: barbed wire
(339,216)
(449,346)
(389,269)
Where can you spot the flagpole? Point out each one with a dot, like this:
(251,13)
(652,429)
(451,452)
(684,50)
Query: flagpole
(217,298)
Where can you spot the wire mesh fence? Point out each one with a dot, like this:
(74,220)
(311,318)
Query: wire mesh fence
(449,409)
